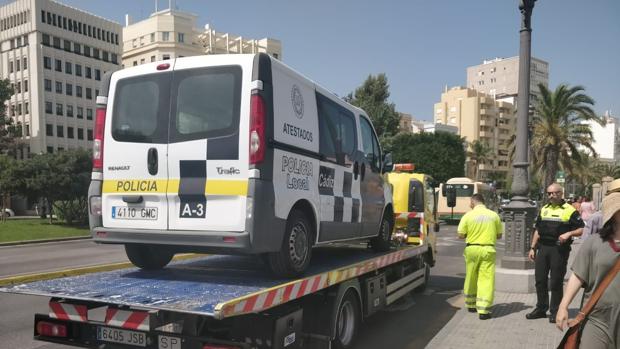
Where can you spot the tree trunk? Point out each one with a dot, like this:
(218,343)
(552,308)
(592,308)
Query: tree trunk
(551,167)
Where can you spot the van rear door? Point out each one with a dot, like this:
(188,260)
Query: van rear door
(135,168)
(208,145)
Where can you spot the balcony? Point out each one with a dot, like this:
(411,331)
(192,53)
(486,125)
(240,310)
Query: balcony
(486,122)
(487,134)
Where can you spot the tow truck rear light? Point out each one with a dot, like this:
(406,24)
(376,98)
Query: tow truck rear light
(257,129)
(98,139)
(50,329)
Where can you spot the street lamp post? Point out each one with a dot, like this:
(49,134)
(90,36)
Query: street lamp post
(519,214)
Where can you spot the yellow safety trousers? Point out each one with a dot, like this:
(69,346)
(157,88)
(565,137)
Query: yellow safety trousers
(479,287)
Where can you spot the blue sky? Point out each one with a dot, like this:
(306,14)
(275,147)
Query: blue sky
(421,45)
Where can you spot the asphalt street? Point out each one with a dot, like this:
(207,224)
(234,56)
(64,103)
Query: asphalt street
(409,323)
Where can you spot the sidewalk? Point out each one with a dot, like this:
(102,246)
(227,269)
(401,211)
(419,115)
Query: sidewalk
(508,328)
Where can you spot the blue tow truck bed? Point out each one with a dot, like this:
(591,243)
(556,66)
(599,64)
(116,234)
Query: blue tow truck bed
(222,288)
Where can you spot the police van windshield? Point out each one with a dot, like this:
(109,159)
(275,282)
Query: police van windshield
(191,104)
(462,190)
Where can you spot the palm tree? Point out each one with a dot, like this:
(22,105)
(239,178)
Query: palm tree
(607,170)
(583,170)
(480,152)
(559,129)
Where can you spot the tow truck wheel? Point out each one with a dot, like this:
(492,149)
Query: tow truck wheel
(427,277)
(348,322)
(383,241)
(148,257)
(294,255)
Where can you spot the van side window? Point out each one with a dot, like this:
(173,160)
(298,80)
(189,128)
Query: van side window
(140,109)
(370,145)
(337,129)
(207,102)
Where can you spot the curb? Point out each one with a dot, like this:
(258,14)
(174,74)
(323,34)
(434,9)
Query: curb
(20,279)
(42,241)
(440,337)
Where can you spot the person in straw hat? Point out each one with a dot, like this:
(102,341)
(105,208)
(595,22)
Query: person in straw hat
(595,258)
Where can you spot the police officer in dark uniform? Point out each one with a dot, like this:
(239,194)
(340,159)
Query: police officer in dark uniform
(556,225)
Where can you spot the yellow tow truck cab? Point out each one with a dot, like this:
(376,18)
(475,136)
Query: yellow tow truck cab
(415,207)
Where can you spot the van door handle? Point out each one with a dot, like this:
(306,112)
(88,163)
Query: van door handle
(152,161)
(132,199)
(356,170)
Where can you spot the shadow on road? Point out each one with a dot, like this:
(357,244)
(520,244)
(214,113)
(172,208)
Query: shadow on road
(504,309)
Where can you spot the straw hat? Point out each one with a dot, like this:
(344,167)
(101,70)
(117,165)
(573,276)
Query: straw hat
(611,205)
(614,186)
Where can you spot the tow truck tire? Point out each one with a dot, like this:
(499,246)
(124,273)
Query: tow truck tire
(348,322)
(383,241)
(148,257)
(427,277)
(296,251)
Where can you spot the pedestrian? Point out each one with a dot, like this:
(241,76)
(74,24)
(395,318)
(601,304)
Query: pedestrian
(593,224)
(480,228)
(557,223)
(595,258)
(586,209)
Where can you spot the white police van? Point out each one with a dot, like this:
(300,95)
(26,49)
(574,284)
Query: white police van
(233,154)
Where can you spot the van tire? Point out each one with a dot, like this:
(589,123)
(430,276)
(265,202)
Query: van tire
(383,241)
(148,257)
(347,322)
(296,250)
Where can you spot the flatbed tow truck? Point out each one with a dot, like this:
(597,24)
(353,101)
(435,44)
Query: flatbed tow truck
(226,302)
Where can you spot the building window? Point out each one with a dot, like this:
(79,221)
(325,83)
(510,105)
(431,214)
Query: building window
(70,132)
(27,129)
(89,73)
(152,37)
(89,114)
(96,53)
(18,87)
(165,36)
(59,109)
(106,56)
(19,109)
(50,150)
(25,63)
(10,66)
(67,45)
(181,37)
(89,93)
(58,87)
(49,129)
(165,57)
(26,110)
(69,110)
(152,58)
(59,65)
(60,131)
(142,61)
(135,63)
(46,40)
(80,113)
(114,58)
(86,51)
(97,74)
(56,42)
(77,48)
(80,133)
(49,107)
(78,70)
(78,91)
(89,134)
(68,68)
(48,85)
(42,16)
(17,65)
(69,89)
(25,85)
(47,62)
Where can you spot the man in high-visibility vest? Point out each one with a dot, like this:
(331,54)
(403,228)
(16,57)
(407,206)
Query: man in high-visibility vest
(556,225)
(480,228)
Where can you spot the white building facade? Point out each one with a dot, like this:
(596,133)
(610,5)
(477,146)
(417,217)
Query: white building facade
(55,57)
(606,138)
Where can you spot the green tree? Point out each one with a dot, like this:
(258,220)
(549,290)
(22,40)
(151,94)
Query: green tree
(63,176)
(9,131)
(607,170)
(7,181)
(479,152)
(558,129)
(372,97)
(440,154)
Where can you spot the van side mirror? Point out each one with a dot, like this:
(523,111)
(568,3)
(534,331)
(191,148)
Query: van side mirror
(388,164)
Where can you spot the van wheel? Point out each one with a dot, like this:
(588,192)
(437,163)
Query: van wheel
(383,241)
(348,322)
(294,255)
(148,257)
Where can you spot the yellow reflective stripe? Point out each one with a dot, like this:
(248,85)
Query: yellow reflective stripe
(162,186)
(226,187)
(134,186)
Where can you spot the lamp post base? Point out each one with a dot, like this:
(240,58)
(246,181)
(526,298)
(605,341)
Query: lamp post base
(518,217)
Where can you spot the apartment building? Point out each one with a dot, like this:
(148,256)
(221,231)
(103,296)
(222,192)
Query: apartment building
(499,78)
(606,138)
(479,116)
(405,123)
(171,33)
(55,56)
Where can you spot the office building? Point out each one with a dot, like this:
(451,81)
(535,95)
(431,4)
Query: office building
(171,33)
(479,116)
(55,57)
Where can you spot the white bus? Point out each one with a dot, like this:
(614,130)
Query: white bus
(464,188)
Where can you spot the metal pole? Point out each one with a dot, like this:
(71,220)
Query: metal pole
(519,213)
